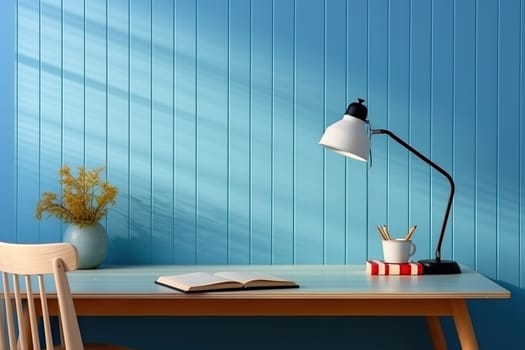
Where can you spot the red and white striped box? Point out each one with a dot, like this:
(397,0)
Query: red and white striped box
(379,267)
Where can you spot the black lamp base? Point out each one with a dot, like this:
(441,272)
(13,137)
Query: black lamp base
(439,267)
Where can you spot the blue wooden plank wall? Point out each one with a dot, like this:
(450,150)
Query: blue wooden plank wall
(207,113)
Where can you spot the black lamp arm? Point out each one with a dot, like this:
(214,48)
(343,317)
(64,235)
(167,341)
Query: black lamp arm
(435,166)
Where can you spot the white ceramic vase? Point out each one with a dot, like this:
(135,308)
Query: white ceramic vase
(91,242)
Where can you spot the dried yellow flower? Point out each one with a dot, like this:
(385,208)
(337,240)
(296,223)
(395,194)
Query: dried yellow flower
(85,198)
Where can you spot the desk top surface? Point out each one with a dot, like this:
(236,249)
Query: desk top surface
(316,281)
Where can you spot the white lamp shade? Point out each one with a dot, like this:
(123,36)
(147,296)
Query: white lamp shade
(348,137)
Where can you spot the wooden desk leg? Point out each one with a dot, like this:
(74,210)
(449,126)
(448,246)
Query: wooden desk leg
(464,327)
(436,333)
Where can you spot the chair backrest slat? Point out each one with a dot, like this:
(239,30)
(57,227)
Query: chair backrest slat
(67,308)
(45,313)
(9,312)
(32,313)
(3,326)
(21,317)
(20,264)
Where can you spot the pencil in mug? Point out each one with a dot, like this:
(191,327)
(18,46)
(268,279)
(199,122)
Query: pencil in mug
(381,233)
(385,231)
(410,232)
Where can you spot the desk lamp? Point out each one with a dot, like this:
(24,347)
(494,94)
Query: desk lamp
(350,138)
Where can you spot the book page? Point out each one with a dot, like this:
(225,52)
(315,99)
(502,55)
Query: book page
(251,279)
(197,281)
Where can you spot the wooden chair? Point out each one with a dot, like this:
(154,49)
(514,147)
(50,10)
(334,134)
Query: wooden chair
(24,297)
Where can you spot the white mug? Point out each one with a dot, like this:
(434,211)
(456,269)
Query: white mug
(398,250)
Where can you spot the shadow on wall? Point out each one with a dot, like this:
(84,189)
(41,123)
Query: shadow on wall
(136,229)
(142,232)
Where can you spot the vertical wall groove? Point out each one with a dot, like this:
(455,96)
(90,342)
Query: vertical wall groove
(128,122)
(106,101)
(431,122)
(498,128)
(410,103)
(174,141)
(272,138)
(84,79)
(324,124)
(39,94)
(272,150)
(250,148)
(196,190)
(151,119)
(452,171)
(520,142)
(228,89)
(294,94)
(476,155)
(345,219)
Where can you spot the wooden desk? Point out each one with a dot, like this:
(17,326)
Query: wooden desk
(326,290)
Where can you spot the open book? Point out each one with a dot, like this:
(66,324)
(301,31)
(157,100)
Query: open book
(205,281)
